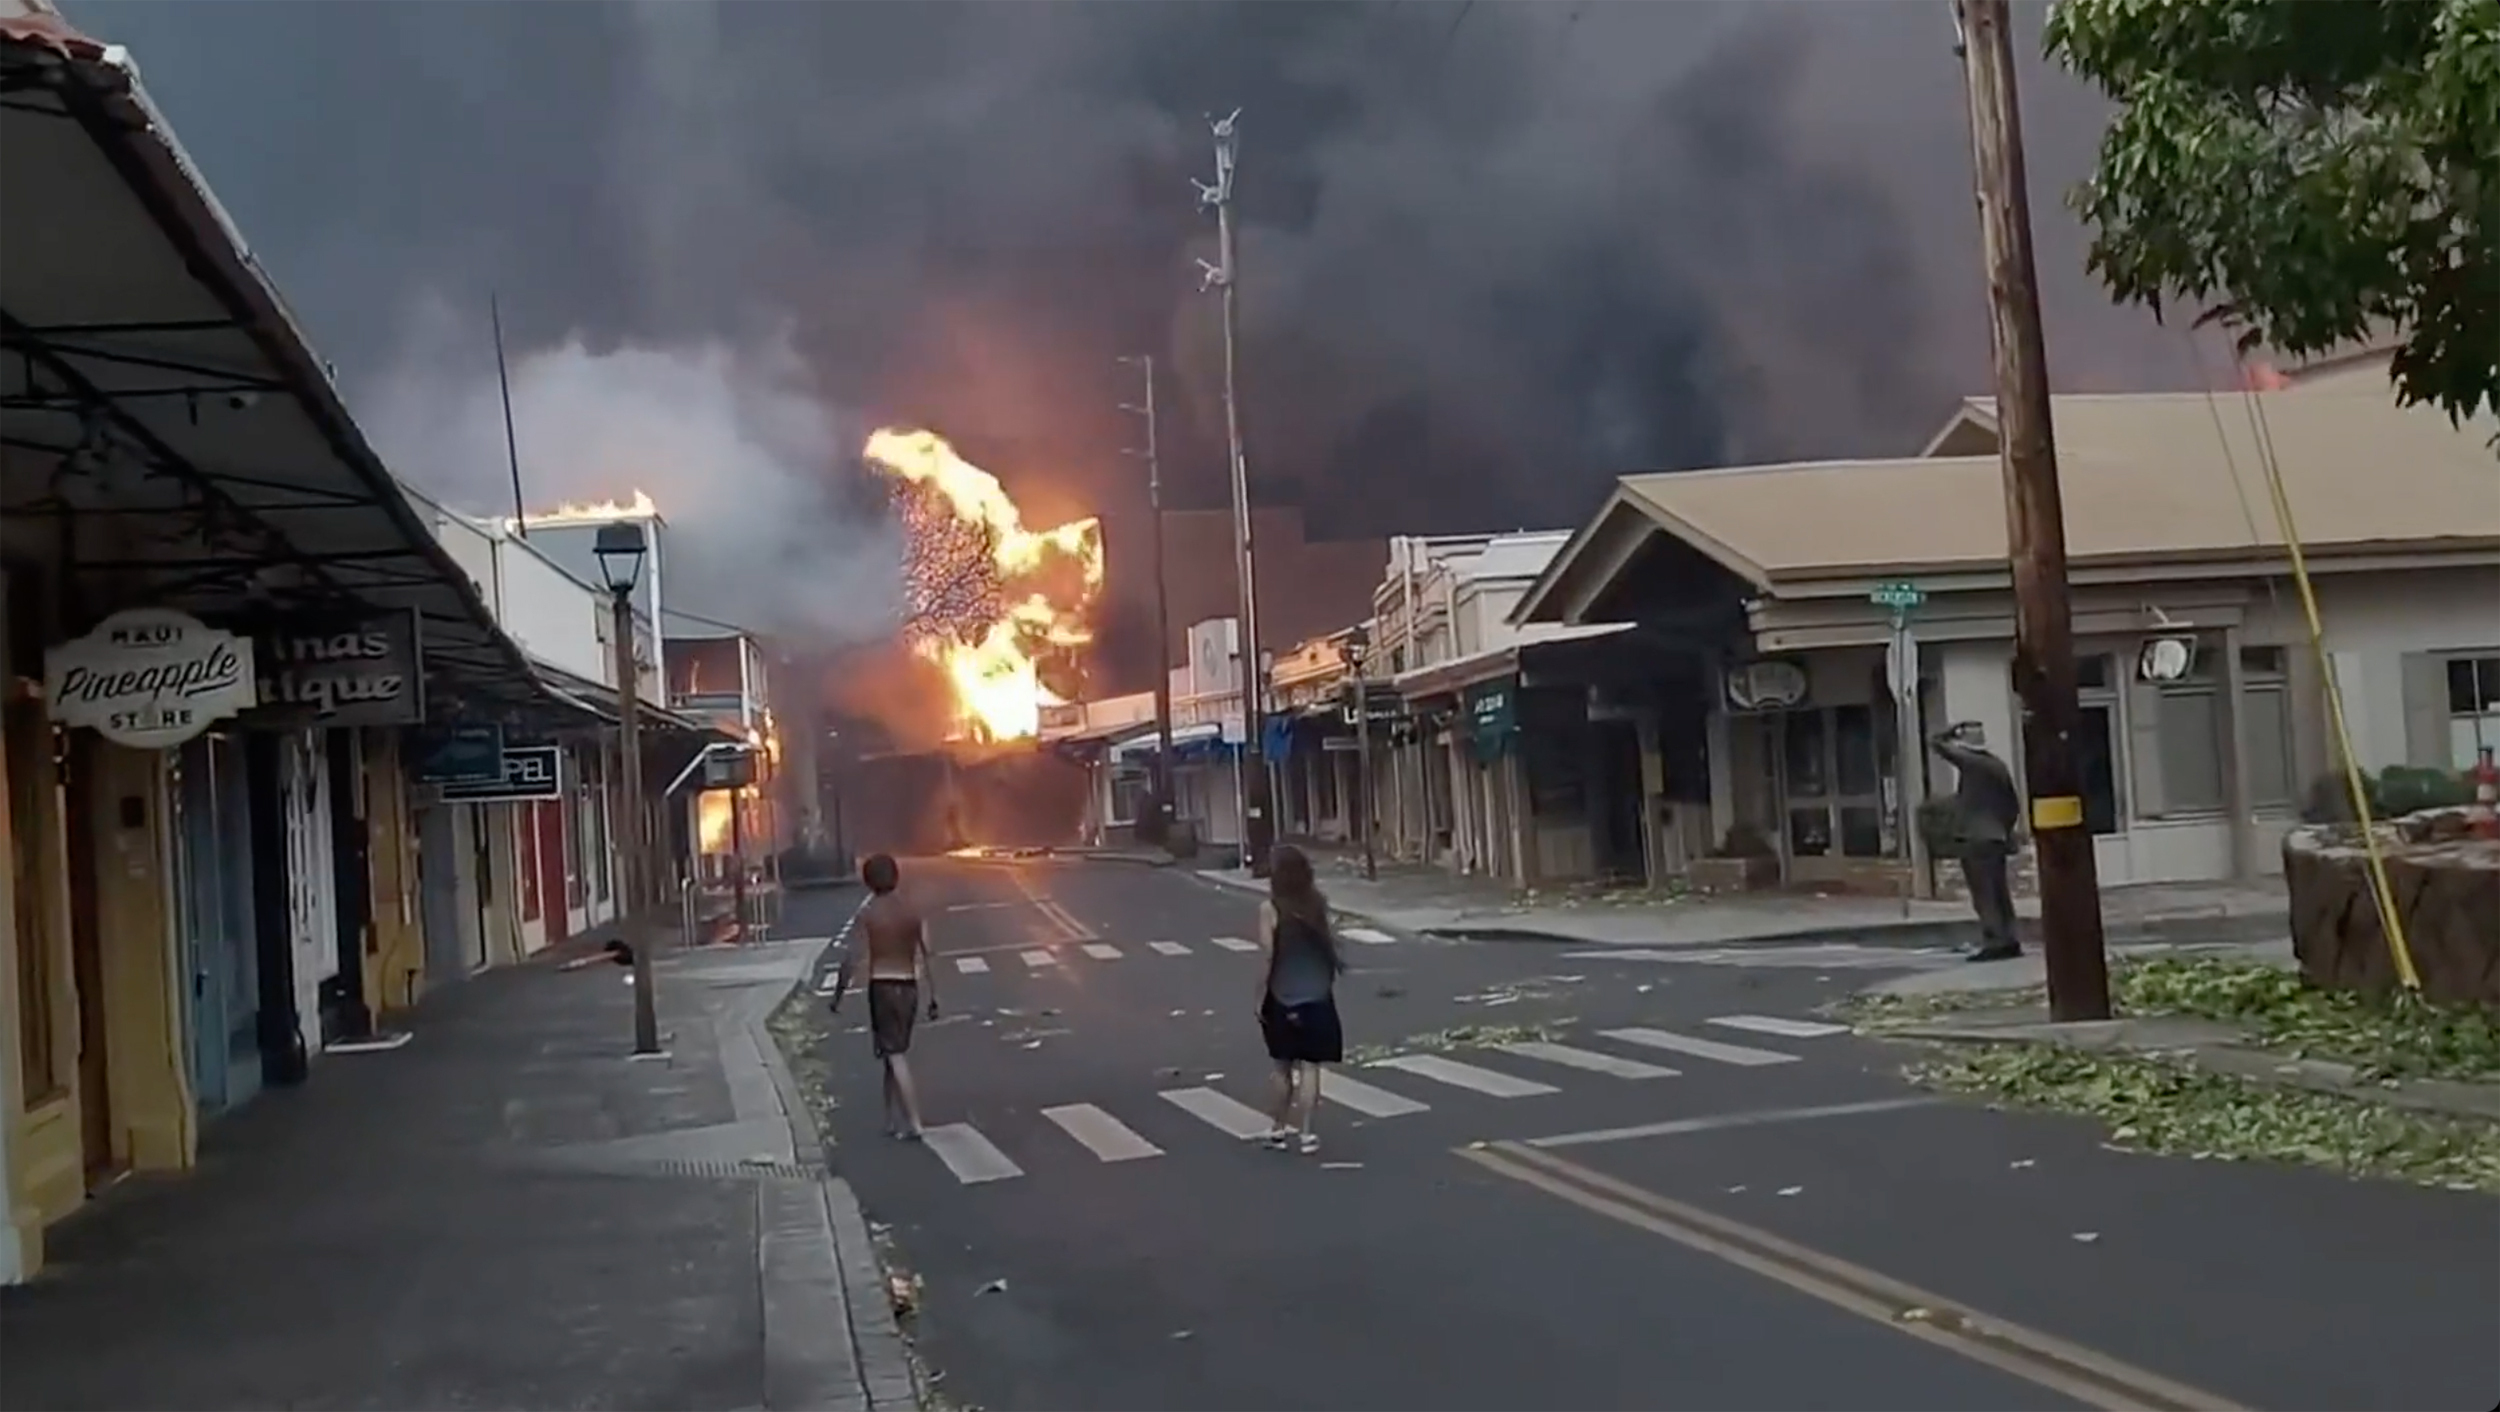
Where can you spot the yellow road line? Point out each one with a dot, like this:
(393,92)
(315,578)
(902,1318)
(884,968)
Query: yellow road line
(2090,1378)
(1057,915)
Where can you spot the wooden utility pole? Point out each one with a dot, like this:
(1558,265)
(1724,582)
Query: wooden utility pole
(1153,457)
(2035,528)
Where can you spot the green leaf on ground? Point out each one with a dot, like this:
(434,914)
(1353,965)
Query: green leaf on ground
(802,1028)
(2385,1036)
(2153,1106)
(1459,1037)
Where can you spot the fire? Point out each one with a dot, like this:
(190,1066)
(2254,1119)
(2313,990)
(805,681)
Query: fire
(712,808)
(980,583)
(573,512)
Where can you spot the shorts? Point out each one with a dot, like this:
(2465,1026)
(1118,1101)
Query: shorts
(892,1007)
(1302,1034)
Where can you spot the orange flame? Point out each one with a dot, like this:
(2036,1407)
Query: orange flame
(594,512)
(992,668)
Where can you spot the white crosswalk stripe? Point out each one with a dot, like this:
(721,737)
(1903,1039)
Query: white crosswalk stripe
(1774,1025)
(1102,951)
(1589,1059)
(970,1156)
(1169,948)
(1103,1135)
(1369,936)
(1037,959)
(1468,1076)
(1371,1102)
(1234,943)
(1710,1049)
(972,965)
(1226,1115)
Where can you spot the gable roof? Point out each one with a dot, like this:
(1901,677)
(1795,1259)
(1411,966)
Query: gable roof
(2155,478)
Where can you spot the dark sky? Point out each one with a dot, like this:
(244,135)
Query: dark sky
(1492,254)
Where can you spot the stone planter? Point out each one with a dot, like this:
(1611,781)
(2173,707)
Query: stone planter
(2446,885)
(1748,874)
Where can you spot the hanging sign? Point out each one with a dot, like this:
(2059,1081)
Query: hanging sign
(456,755)
(149,678)
(529,772)
(1767,685)
(338,671)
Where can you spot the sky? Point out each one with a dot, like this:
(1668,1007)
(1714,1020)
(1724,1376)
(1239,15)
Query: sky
(1492,255)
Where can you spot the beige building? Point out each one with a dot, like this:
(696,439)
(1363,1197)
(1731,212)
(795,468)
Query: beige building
(2172,535)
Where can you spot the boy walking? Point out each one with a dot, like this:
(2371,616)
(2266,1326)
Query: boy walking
(899,973)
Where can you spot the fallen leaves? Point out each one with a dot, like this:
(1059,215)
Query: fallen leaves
(2156,1106)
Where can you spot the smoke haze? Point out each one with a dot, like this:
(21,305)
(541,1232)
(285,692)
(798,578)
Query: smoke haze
(1492,254)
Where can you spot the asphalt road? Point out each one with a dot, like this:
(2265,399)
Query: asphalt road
(1685,1190)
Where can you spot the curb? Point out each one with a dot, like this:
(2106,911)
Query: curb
(879,1361)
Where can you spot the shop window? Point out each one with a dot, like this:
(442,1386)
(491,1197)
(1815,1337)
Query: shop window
(1836,763)
(2473,708)
(2265,700)
(1128,795)
(2192,750)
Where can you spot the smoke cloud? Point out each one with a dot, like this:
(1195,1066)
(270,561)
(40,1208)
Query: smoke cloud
(735,447)
(1492,254)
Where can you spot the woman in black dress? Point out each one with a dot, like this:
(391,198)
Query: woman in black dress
(1298,996)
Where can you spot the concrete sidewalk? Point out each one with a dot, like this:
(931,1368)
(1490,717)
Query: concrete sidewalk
(1429,901)
(504,1212)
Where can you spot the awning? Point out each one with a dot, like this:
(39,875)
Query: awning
(601,703)
(156,379)
(1201,740)
(1535,640)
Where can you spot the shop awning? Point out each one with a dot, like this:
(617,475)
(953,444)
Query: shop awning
(600,703)
(1534,641)
(157,380)
(1204,738)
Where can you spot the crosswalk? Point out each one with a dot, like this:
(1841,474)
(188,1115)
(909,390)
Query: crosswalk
(1385,1089)
(1043,957)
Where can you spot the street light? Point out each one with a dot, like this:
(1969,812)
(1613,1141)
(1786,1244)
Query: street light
(620,548)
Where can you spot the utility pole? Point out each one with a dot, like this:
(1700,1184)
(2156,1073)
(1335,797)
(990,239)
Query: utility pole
(1256,826)
(2035,530)
(1358,654)
(1151,454)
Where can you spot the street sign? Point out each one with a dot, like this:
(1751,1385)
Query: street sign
(1899,596)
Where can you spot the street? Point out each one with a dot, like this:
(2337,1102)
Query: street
(1562,1177)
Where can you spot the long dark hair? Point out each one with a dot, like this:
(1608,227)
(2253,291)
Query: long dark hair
(1295,894)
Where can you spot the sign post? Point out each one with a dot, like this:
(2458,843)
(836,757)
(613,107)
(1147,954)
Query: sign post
(149,678)
(1909,748)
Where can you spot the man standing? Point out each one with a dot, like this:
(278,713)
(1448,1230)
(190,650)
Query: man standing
(1987,809)
(898,974)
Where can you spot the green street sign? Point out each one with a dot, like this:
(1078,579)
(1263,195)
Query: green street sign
(1899,597)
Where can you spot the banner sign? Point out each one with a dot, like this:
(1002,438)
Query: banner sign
(457,755)
(338,671)
(529,772)
(149,678)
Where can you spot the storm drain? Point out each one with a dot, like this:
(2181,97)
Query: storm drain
(719,1170)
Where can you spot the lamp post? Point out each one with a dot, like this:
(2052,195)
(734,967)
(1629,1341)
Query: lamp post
(621,547)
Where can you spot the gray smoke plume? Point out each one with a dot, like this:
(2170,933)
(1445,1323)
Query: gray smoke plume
(1492,255)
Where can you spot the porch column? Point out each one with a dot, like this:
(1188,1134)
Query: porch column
(2235,758)
(1655,864)
(1720,749)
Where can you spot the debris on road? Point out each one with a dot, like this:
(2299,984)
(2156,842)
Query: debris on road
(1790,1190)
(998,1286)
(2087,1237)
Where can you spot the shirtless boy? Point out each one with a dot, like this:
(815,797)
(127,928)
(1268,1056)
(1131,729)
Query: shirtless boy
(899,973)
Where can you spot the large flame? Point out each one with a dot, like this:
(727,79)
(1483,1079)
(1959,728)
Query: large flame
(982,601)
(580,512)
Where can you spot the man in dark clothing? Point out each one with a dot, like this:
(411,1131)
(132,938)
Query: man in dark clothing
(1988,809)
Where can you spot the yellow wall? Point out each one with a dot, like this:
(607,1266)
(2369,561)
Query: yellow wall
(46,1177)
(395,967)
(154,1119)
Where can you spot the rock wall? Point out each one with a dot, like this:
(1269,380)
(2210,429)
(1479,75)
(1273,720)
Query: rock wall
(2446,886)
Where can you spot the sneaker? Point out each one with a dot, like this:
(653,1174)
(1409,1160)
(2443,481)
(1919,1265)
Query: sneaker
(1310,1143)
(1273,1137)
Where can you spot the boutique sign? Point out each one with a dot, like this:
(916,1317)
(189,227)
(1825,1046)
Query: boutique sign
(149,678)
(338,671)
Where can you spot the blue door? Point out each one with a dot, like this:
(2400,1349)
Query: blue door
(214,888)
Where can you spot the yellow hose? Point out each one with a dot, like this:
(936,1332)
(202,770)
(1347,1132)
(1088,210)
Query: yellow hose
(2398,950)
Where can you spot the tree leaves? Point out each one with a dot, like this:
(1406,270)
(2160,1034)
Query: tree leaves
(2312,173)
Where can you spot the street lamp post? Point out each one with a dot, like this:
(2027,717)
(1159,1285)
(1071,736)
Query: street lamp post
(620,548)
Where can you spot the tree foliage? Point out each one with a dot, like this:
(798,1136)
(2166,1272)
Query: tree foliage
(2309,171)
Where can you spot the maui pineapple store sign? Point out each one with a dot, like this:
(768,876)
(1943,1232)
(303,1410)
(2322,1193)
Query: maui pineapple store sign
(150,678)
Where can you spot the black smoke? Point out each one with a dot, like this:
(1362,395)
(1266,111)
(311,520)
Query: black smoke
(1493,254)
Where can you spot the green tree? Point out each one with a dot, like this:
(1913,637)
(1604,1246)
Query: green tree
(2307,171)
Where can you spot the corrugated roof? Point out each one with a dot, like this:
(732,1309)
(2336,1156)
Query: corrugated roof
(2144,477)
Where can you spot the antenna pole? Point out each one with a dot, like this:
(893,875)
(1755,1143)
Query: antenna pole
(511,442)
